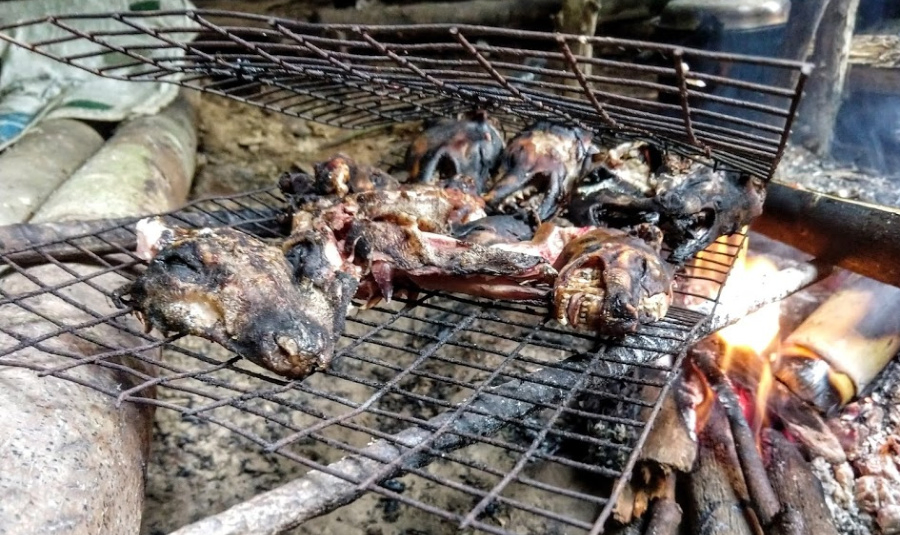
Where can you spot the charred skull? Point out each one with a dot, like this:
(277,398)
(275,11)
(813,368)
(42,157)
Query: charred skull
(540,168)
(468,147)
(610,281)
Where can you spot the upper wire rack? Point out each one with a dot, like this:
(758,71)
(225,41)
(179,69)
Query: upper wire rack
(732,108)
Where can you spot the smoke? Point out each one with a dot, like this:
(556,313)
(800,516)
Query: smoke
(867,133)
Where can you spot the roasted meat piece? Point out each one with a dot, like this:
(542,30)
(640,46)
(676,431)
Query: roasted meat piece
(338,175)
(226,286)
(692,207)
(434,208)
(396,253)
(493,229)
(611,281)
(540,167)
(469,147)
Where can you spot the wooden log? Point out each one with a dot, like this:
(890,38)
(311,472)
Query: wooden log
(797,488)
(666,514)
(874,64)
(842,346)
(671,442)
(73,463)
(146,167)
(579,17)
(853,235)
(716,489)
(762,495)
(32,168)
(814,127)
(501,13)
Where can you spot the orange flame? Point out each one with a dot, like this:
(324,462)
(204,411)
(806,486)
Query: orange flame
(752,336)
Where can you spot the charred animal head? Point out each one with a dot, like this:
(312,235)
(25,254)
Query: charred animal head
(610,282)
(226,286)
(469,147)
(540,168)
(698,207)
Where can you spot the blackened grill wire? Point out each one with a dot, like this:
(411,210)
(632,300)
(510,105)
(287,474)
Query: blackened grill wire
(524,327)
(378,75)
(375,76)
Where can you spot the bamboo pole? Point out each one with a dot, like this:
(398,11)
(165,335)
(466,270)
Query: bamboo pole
(32,168)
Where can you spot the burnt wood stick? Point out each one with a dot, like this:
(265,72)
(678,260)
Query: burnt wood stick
(861,237)
(23,243)
(762,495)
(319,492)
(795,484)
(665,514)
(715,488)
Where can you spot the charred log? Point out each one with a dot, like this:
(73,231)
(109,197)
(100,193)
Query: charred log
(853,235)
(796,486)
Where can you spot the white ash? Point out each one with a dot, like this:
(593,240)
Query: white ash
(863,494)
(803,168)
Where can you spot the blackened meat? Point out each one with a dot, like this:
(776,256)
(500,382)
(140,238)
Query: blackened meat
(693,208)
(228,287)
(467,147)
(539,169)
(611,281)
(490,230)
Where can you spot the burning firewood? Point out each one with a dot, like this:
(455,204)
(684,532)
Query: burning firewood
(843,345)
(796,486)
(716,488)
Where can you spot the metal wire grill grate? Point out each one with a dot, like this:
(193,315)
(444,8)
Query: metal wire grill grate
(359,76)
(421,390)
(429,378)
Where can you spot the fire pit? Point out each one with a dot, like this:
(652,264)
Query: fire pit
(486,402)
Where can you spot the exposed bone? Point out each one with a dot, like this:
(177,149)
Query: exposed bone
(39,162)
(318,492)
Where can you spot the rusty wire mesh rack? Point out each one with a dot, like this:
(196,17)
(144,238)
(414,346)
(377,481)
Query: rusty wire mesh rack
(361,76)
(433,376)
(441,380)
